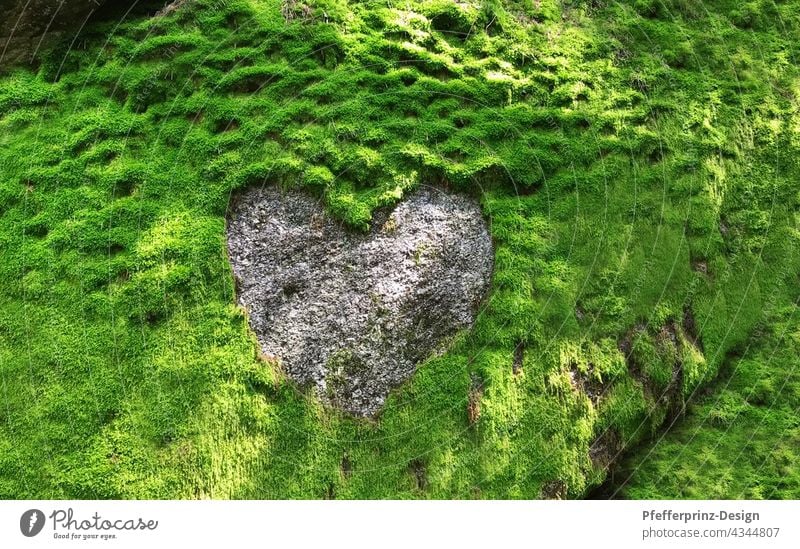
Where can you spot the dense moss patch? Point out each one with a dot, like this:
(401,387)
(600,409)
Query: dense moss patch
(636,160)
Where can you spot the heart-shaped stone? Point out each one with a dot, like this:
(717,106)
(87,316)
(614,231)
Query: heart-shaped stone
(354,313)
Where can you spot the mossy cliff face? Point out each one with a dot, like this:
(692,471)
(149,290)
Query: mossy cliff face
(636,162)
(28,25)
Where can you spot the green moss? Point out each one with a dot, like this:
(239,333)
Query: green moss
(636,160)
(738,442)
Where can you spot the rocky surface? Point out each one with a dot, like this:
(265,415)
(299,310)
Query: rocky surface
(25,24)
(354,313)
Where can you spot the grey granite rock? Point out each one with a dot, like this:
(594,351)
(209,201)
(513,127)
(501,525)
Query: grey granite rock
(27,25)
(351,313)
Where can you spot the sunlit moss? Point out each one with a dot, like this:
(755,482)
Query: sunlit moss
(635,160)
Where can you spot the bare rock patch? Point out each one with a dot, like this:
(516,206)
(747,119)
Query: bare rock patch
(351,313)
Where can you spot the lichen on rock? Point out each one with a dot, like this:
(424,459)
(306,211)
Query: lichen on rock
(352,314)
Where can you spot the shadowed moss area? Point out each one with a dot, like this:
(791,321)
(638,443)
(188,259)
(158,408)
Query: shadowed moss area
(637,161)
(738,442)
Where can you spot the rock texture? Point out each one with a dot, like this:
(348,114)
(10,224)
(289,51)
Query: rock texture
(25,24)
(351,313)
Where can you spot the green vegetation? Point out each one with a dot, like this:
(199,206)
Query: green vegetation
(637,160)
(740,441)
